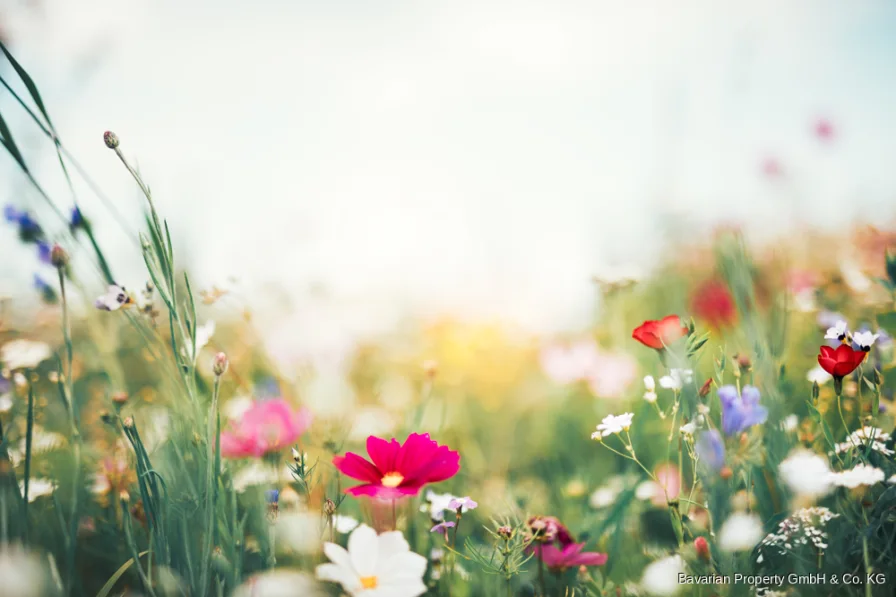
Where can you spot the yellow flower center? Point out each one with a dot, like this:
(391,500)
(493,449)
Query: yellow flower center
(392,480)
(368,582)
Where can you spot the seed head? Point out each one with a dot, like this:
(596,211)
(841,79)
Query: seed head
(110,139)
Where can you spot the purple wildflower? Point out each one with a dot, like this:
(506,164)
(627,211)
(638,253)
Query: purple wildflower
(43,252)
(711,450)
(740,412)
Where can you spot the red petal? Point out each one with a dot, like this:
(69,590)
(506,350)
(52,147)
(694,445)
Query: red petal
(356,467)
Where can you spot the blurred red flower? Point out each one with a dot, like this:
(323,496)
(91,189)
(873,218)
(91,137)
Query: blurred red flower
(824,130)
(713,303)
(657,334)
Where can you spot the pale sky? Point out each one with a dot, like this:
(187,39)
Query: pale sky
(483,157)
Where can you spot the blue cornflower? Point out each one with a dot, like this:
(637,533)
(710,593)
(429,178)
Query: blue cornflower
(43,252)
(711,449)
(740,412)
(77,219)
(272,496)
(11,214)
(47,292)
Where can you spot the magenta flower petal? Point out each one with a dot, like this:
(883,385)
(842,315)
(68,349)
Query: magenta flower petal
(382,453)
(352,465)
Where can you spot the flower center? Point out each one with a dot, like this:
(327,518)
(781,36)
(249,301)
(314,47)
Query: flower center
(368,582)
(392,480)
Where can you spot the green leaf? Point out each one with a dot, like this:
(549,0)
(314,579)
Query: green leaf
(29,84)
(825,428)
(110,584)
(10,145)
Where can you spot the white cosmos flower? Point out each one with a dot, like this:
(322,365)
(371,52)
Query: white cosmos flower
(862,474)
(375,565)
(838,332)
(661,577)
(818,375)
(24,574)
(299,531)
(613,424)
(24,354)
(865,340)
(344,524)
(280,583)
(806,474)
(676,378)
(741,532)
(37,488)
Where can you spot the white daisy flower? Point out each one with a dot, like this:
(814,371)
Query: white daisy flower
(865,340)
(741,532)
(818,375)
(375,565)
(838,332)
(660,578)
(790,423)
(613,424)
(806,474)
(862,474)
(688,429)
(24,354)
(676,379)
(870,437)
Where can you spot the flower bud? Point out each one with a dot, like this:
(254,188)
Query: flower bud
(296,456)
(726,473)
(128,422)
(120,397)
(878,379)
(815,391)
(58,257)
(124,496)
(702,547)
(329,507)
(220,364)
(110,139)
(704,389)
(505,532)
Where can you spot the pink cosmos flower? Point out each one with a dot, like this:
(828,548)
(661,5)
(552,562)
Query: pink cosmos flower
(268,426)
(569,556)
(398,470)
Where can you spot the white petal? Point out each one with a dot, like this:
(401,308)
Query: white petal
(392,543)
(363,546)
(345,577)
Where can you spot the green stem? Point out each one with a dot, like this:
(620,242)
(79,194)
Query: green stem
(29,433)
(210,483)
(542,584)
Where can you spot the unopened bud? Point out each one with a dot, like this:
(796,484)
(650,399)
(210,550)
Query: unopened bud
(124,496)
(704,389)
(120,397)
(128,422)
(505,532)
(329,507)
(702,547)
(58,257)
(726,473)
(815,391)
(296,456)
(220,364)
(878,379)
(110,139)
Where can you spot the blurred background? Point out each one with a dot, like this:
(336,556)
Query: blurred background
(345,166)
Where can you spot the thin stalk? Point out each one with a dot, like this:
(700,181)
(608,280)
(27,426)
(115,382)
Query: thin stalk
(541,581)
(29,433)
(211,479)
(132,544)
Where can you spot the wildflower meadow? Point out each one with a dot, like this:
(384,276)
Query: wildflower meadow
(725,427)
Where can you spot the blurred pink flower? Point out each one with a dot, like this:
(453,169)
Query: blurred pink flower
(268,426)
(771,167)
(824,130)
(612,374)
(398,470)
(569,556)
(608,374)
(667,477)
(570,363)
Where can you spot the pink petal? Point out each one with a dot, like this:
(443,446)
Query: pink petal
(375,490)
(382,453)
(590,558)
(356,467)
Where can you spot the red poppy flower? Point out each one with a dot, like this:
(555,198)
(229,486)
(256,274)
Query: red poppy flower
(398,470)
(841,361)
(658,334)
(713,303)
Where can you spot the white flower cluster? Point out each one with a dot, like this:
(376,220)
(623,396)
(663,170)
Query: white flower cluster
(613,424)
(805,527)
(866,436)
(861,474)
